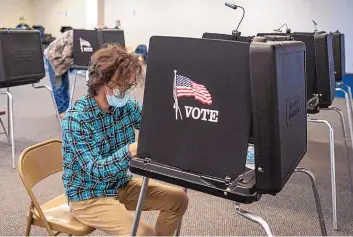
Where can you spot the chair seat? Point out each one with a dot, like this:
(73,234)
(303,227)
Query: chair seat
(60,218)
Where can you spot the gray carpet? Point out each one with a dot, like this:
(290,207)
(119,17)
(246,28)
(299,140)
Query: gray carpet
(292,212)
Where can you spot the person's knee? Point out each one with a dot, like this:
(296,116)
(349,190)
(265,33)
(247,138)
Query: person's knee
(145,230)
(180,201)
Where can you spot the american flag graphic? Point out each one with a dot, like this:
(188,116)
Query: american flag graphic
(185,87)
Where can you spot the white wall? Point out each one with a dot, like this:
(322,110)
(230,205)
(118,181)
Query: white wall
(91,10)
(141,19)
(12,10)
(53,14)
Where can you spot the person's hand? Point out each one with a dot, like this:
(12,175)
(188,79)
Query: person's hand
(133,149)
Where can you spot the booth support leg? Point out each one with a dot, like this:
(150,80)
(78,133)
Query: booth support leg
(317,199)
(53,99)
(253,218)
(10,124)
(8,110)
(349,90)
(142,197)
(55,105)
(333,169)
(349,110)
(177,232)
(73,89)
(344,132)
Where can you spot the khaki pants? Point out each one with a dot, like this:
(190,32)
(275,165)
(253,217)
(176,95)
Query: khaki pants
(113,216)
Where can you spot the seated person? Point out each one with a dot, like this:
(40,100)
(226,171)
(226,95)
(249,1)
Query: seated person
(98,142)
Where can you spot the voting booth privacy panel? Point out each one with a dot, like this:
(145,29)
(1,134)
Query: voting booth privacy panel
(21,57)
(198,100)
(339,55)
(325,56)
(201,127)
(86,42)
(111,35)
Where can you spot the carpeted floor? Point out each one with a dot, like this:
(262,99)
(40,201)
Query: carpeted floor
(292,212)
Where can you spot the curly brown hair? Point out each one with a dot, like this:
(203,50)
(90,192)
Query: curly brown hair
(112,65)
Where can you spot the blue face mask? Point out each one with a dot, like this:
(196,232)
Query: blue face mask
(115,101)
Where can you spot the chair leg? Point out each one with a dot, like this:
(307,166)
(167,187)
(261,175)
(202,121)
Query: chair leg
(50,231)
(29,220)
(6,134)
(48,227)
(29,225)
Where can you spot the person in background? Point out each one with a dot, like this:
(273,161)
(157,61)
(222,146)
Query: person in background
(22,24)
(141,51)
(98,134)
(117,25)
(59,59)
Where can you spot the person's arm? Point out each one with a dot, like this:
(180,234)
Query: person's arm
(80,140)
(136,109)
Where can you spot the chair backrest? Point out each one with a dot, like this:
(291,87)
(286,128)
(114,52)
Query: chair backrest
(40,161)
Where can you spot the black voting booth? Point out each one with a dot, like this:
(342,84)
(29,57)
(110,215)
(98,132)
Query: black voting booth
(86,42)
(111,35)
(202,145)
(339,55)
(320,67)
(325,66)
(21,63)
(21,58)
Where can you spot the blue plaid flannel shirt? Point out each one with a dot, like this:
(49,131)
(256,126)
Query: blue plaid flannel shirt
(95,148)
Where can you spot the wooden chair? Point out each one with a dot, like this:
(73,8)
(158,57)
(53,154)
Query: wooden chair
(35,164)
